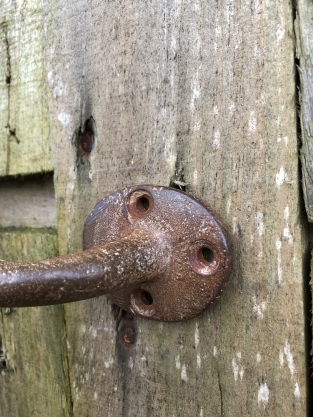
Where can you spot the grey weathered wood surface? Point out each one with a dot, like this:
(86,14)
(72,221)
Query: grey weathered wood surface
(304,39)
(28,202)
(202,92)
(206,91)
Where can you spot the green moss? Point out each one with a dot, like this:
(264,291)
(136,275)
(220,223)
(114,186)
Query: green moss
(26,244)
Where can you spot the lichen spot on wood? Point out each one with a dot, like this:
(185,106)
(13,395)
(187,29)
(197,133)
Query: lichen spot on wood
(263,394)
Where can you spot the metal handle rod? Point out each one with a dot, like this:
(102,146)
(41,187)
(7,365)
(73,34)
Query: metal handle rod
(136,258)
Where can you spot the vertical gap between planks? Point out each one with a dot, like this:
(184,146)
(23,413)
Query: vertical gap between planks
(307,296)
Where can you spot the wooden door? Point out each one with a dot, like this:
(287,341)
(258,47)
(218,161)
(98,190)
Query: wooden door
(200,92)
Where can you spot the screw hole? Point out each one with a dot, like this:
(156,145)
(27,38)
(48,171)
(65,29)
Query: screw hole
(143,204)
(203,259)
(206,255)
(142,303)
(140,203)
(146,298)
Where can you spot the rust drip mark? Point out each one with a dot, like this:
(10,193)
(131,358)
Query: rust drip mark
(129,335)
(85,140)
(127,328)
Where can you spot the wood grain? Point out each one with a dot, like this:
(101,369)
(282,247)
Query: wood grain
(28,202)
(204,93)
(24,119)
(304,30)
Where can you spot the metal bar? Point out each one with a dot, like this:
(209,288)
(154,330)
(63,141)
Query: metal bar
(136,258)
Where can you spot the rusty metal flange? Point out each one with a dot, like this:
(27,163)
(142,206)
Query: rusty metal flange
(196,267)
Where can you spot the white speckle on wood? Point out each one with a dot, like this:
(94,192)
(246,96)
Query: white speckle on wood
(215,110)
(170,152)
(228,205)
(289,357)
(297,390)
(58,88)
(198,360)
(286,140)
(131,363)
(95,396)
(197,336)
(252,122)
(235,369)
(108,363)
(177,362)
(216,141)
(235,225)
(280,33)
(215,351)
(281,358)
(287,234)
(195,94)
(259,222)
(258,357)
(231,108)
(201,412)
(241,373)
(281,177)
(64,118)
(279,267)
(184,373)
(258,309)
(197,126)
(238,355)
(263,394)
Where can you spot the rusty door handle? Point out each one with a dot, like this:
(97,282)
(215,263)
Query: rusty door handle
(155,251)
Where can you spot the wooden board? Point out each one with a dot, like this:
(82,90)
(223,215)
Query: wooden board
(201,92)
(33,358)
(28,202)
(304,32)
(24,118)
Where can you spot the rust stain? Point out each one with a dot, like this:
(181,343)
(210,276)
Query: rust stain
(155,251)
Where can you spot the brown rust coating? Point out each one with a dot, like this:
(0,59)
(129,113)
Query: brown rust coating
(82,275)
(189,284)
(156,251)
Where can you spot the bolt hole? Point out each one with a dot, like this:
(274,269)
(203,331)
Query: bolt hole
(142,303)
(206,255)
(146,298)
(203,259)
(143,204)
(140,203)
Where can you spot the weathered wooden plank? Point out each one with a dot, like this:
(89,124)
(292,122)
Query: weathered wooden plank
(24,120)
(33,358)
(304,39)
(28,202)
(202,92)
